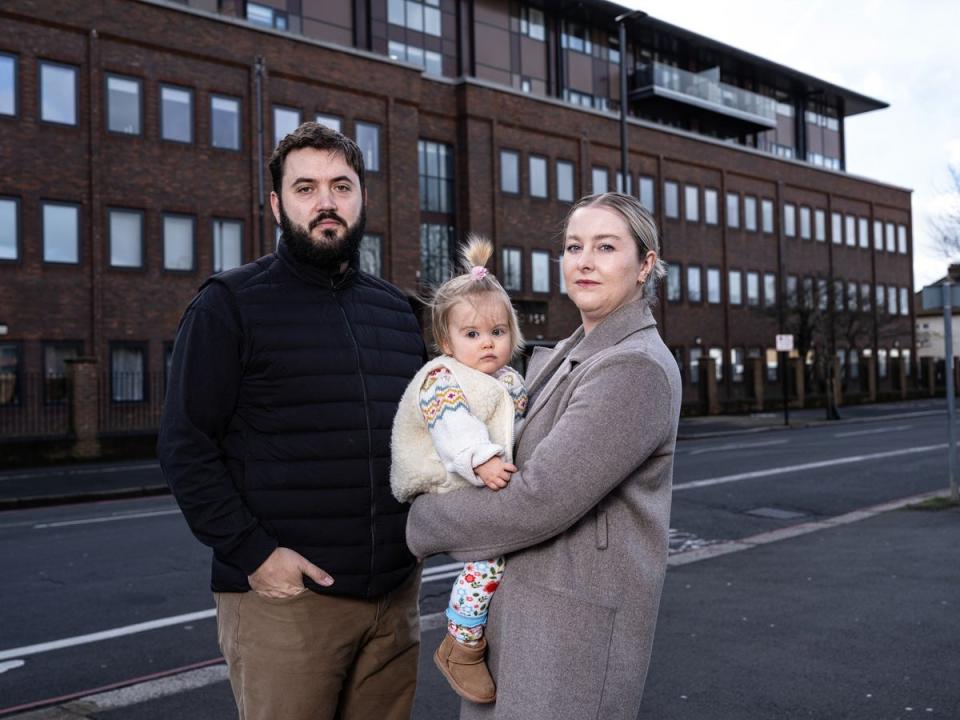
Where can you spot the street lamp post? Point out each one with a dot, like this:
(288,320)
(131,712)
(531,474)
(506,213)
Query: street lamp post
(620,20)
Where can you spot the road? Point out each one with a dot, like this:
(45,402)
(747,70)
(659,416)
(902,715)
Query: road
(115,593)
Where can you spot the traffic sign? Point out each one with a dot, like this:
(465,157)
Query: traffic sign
(784,343)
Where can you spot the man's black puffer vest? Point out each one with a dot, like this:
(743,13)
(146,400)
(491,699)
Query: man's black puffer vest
(325,361)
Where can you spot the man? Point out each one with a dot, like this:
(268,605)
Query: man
(275,440)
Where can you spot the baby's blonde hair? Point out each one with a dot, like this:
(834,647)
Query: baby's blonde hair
(476,281)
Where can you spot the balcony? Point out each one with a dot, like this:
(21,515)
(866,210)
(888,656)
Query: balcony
(717,108)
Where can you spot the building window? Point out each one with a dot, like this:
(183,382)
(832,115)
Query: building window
(9,374)
(266,16)
(716,354)
(694,288)
(866,302)
(671,199)
(902,239)
(877,235)
(371,255)
(882,362)
(540,268)
(510,172)
(713,285)
(733,210)
(711,211)
(368,138)
(753,289)
(766,210)
(431,62)
(330,121)
(853,364)
(532,23)
(285,121)
(789,220)
(55,355)
(600,180)
(646,193)
(773,365)
(836,228)
(576,37)
(808,298)
(565,190)
(61,233)
(178,242)
(9,229)
(620,189)
(891,240)
(749,213)
(881,298)
(850,230)
(769,290)
(127,372)
(852,297)
(805,229)
(674,290)
(126,238)
(58,93)
(436,251)
(420,15)
(863,232)
(224,122)
(8,85)
(538,176)
(695,355)
(227,244)
(736,364)
(838,296)
(123,105)
(176,114)
(436,176)
(735,287)
(891,299)
(823,297)
(904,301)
(820,225)
(792,298)
(512,269)
(691,203)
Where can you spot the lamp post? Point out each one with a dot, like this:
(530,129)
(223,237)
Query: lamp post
(620,20)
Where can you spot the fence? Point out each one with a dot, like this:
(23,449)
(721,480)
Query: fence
(130,402)
(33,405)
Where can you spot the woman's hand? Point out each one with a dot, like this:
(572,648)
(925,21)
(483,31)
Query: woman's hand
(495,473)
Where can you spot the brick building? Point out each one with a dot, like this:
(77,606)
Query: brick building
(134,136)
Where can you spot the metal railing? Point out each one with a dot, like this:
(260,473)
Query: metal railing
(706,87)
(33,405)
(130,402)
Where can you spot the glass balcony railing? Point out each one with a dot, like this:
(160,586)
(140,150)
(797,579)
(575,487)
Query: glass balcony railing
(705,90)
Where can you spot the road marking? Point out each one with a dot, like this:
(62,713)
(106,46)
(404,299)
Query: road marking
(105,634)
(805,466)
(153,689)
(873,432)
(441,572)
(81,471)
(737,446)
(11,665)
(111,518)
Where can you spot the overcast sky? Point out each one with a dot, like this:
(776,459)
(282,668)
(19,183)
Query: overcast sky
(903,52)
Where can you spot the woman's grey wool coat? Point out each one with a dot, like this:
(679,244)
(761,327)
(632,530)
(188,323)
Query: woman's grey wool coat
(583,524)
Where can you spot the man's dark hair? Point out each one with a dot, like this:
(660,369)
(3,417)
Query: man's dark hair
(315,135)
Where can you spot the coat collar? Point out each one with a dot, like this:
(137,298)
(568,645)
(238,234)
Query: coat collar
(314,274)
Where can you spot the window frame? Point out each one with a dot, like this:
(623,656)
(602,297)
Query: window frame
(143,346)
(143,243)
(76,92)
(516,155)
(107,76)
(669,185)
(17,397)
(191,113)
(369,237)
(713,271)
(767,213)
(769,301)
(17,231)
(699,300)
(750,213)
(193,242)
(739,287)
(239,121)
(732,219)
(679,286)
(369,167)
(711,208)
(43,229)
(573,180)
(44,344)
(688,215)
(545,163)
(504,251)
(789,220)
(535,253)
(15,90)
(213,248)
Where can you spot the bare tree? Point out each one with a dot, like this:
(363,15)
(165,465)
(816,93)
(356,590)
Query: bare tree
(946,226)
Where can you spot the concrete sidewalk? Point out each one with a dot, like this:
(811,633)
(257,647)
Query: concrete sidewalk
(33,487)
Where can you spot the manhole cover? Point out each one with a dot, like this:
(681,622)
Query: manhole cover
(776,513)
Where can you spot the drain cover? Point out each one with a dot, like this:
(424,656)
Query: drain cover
(776,513)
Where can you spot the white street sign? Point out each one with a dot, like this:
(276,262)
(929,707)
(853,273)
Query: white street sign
(784,343)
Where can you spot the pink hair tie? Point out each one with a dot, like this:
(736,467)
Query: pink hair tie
(478,272)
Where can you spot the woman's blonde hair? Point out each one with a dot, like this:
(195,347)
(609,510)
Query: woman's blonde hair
(475,282)
(642,226)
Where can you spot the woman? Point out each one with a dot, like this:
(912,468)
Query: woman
(584,522)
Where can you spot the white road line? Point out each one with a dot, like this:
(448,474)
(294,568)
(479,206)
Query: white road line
(805,466)
(11,665)
(873,432)
(442,568)
(153,689)
(81,471)
(737,446)
(111,518)
(105,634)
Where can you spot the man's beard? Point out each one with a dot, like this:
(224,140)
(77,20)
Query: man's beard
(334,251)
